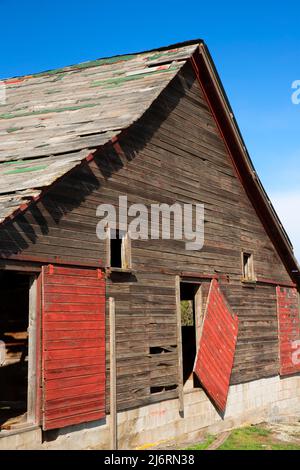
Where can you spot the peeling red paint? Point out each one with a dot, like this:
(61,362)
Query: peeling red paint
(215,356)
(73,346)
(289,328)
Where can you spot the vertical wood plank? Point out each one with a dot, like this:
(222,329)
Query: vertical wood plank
(38,358)
(113,387)
(107,247)
(179,345)
(126,251)
(198,314)
(32,352)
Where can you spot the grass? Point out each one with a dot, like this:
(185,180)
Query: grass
(203,444)
(249,438)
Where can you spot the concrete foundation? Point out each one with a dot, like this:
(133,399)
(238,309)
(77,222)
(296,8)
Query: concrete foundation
(272,399)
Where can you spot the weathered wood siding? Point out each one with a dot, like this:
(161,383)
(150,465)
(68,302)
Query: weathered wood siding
(175,153)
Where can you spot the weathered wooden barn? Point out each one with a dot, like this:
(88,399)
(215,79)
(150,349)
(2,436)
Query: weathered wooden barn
(202,339)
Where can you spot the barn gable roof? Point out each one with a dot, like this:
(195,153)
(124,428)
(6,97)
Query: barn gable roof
(51,121)
(54,120)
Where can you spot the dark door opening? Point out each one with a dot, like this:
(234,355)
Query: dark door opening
(191,316)
(14,321)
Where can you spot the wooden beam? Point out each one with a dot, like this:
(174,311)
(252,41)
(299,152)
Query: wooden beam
(198,315)
(199,276)
(107,247)
(46,259)
(32,352)
(274,282)
(126,251)
(20,266)
(113,387)
(179,346)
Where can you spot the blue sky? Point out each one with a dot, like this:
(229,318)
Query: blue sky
(255,45)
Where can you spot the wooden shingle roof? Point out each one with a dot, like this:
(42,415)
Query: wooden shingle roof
(51,121)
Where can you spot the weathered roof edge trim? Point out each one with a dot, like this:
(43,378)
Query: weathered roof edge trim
(75,66)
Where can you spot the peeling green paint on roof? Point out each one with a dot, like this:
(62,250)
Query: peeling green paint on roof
(162,54)
(60,77)
(47,111)
(108,61)
(13,129)
(49,72)
(13,162)
(18,162)
(25,169)
(85,65)
(127,78)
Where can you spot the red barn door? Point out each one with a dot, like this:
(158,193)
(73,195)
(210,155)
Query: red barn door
(73,346)
(215,355)
(289,330)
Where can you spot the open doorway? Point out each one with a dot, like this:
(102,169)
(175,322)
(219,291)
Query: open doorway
(16,311)
(191,321)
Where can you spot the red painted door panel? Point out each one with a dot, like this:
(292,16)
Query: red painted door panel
(73,346)
(289,329)
(217,345)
